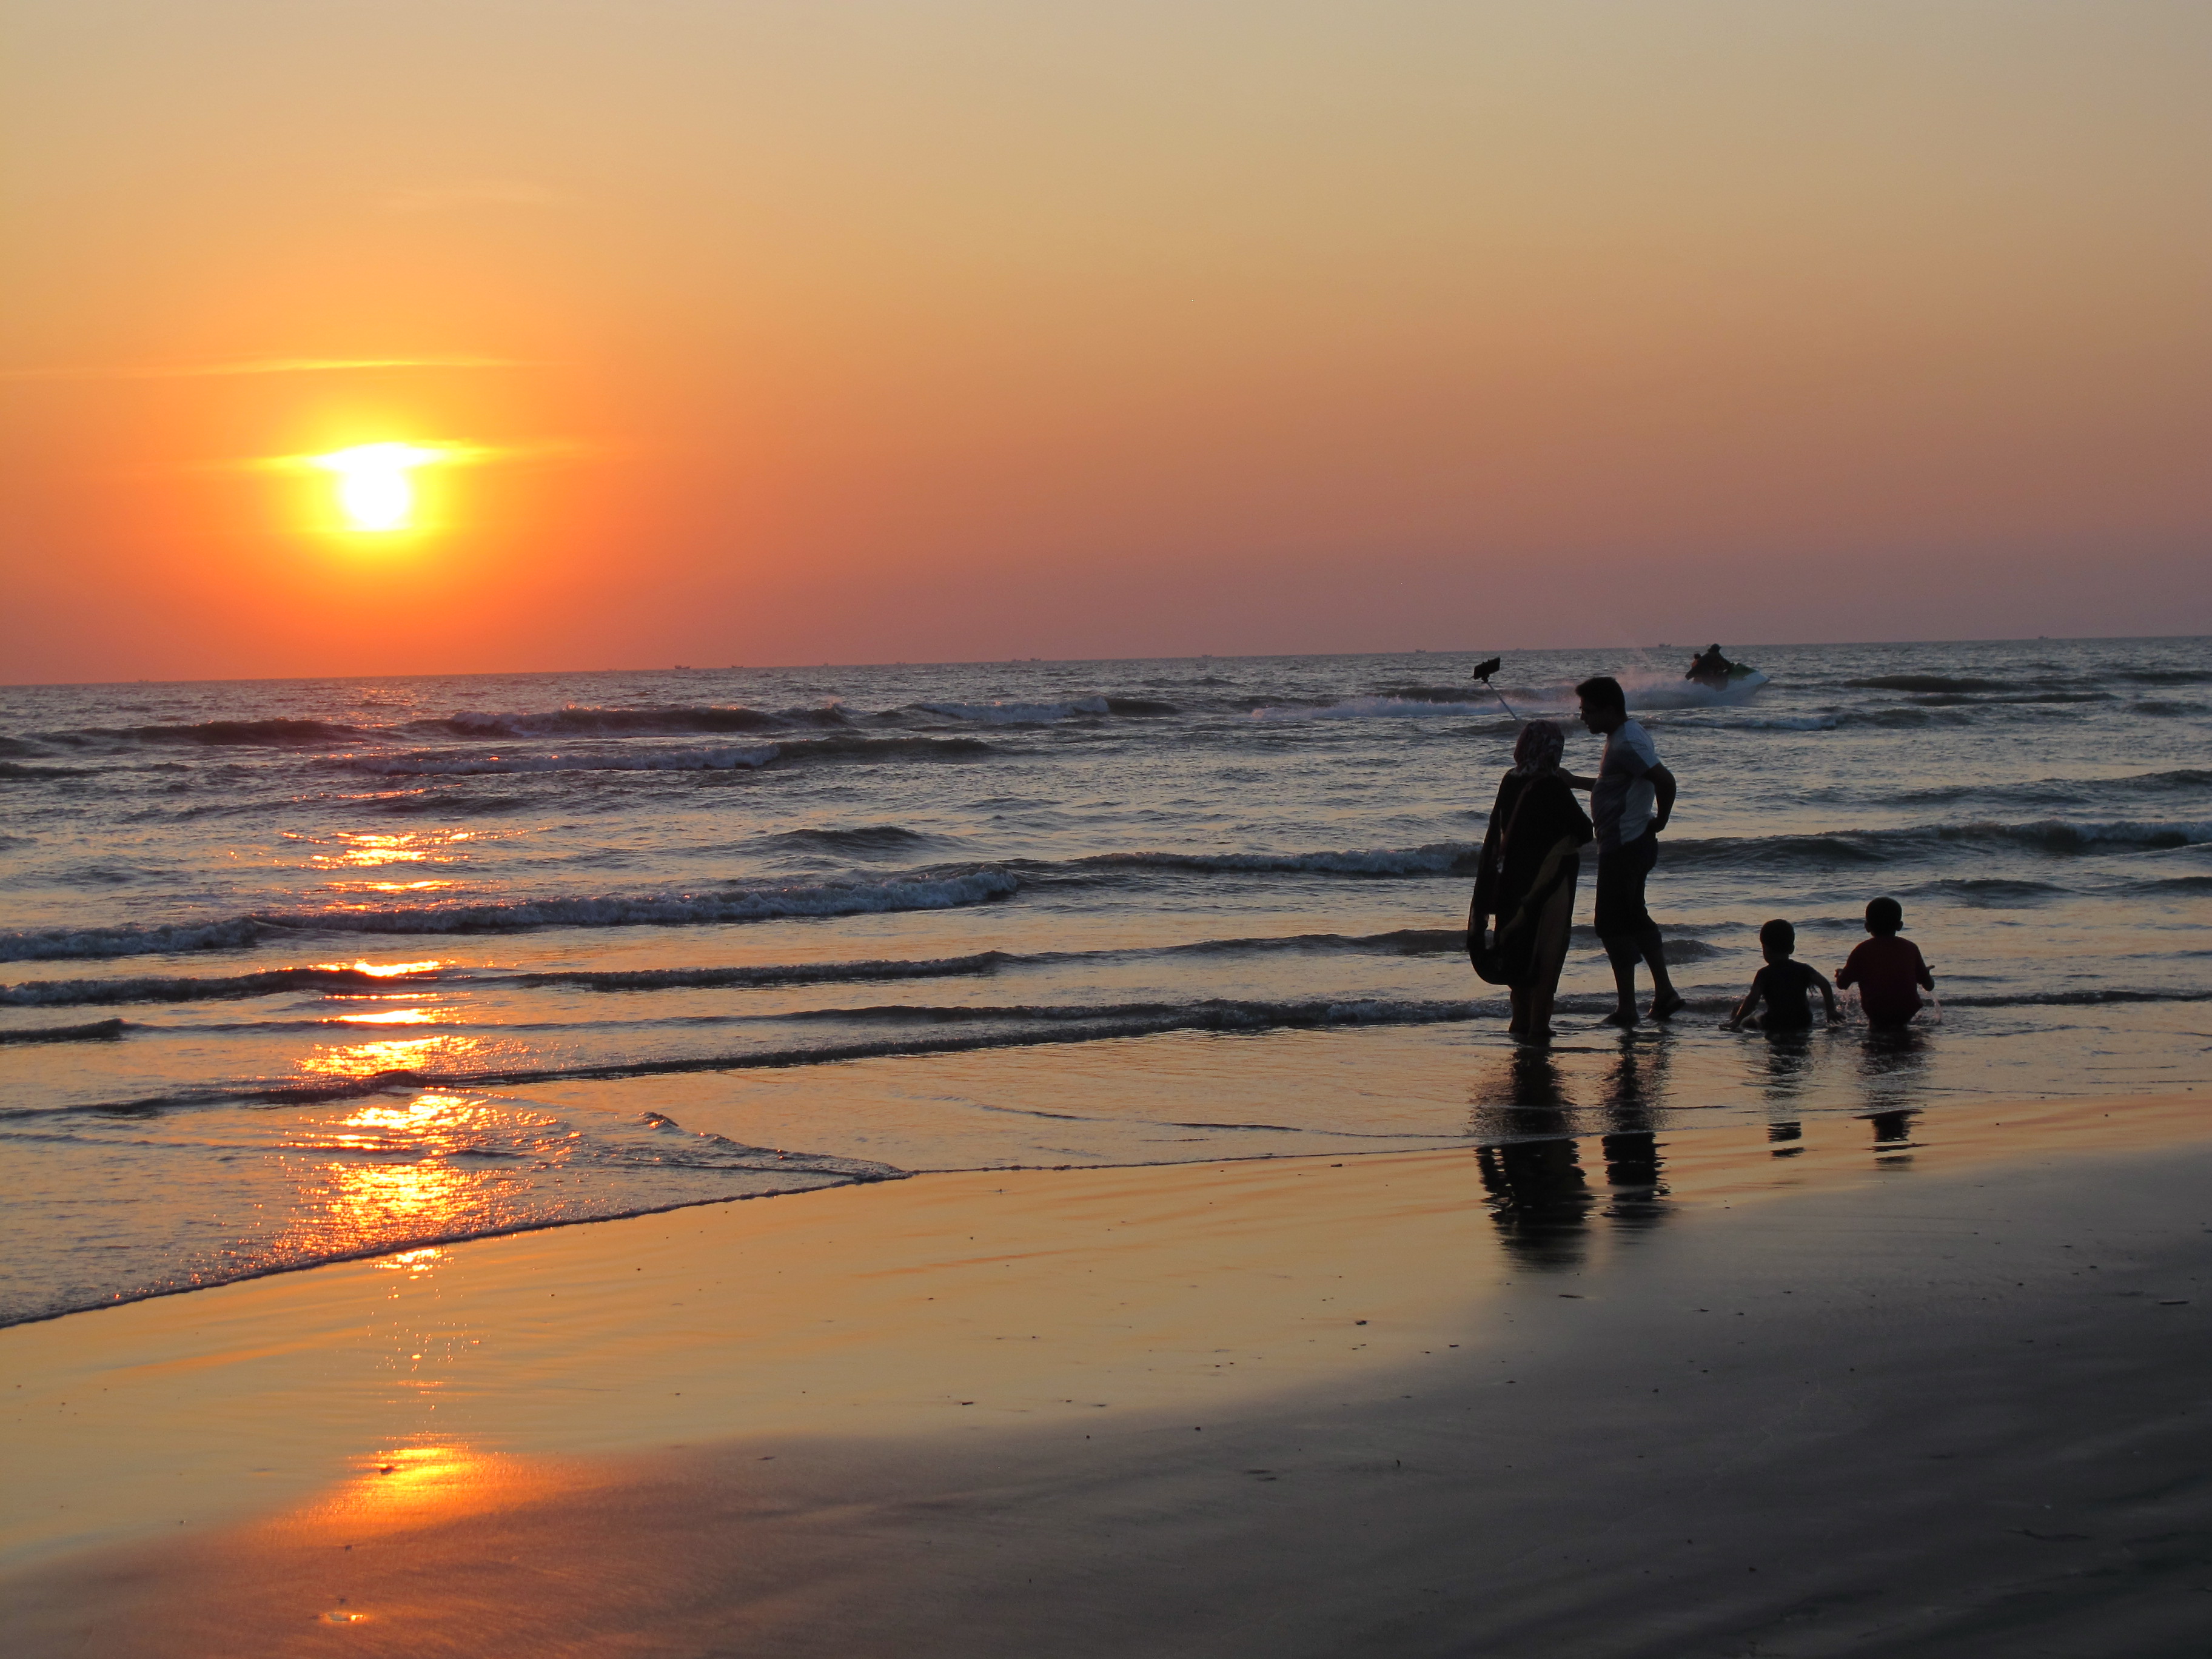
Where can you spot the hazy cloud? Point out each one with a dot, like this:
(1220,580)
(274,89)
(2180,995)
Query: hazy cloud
(253,365)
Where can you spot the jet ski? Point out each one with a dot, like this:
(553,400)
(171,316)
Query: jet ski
(1737,676)
(1712,682)
(1740,681)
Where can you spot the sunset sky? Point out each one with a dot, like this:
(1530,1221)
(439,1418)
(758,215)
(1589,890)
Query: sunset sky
(756,332)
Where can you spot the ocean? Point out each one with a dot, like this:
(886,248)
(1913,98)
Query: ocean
(303,970)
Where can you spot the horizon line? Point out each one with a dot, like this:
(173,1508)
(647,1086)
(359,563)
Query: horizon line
(1006,662)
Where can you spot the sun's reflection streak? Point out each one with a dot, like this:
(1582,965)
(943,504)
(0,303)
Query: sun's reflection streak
(413,1263)
(368,850)
(396,1017)
(429,1126)
(381,970)
(410,1480)
(366,1059)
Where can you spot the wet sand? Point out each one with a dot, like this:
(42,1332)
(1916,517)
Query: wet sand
(1931,1384)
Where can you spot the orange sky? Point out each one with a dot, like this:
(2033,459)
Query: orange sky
(892,330)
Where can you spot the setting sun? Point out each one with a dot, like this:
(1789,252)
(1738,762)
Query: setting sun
(374,490)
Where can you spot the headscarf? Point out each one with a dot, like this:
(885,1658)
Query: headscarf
(1539,748)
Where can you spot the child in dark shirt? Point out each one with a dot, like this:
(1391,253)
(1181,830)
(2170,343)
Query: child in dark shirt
(1886,969)
(1785,986)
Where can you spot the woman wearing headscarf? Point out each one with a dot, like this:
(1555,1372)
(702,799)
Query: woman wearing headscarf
(1525,883)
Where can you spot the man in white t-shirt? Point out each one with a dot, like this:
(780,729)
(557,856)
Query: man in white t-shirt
(1631,798)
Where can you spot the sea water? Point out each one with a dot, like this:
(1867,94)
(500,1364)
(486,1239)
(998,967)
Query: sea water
(304,970)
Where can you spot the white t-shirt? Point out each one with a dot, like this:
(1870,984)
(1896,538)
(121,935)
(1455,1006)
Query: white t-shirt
(1625,800)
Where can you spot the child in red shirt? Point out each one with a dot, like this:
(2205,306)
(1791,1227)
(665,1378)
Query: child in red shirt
(1887,968)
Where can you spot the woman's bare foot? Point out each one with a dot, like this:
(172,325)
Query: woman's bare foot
(1623,1018)
(1667,1006)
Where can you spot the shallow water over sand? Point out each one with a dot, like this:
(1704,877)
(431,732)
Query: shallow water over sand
(405,960)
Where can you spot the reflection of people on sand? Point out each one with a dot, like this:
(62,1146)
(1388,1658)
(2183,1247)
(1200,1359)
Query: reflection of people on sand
(1539,1196)
(1540,1193)
(1537,1189)
(1710,668)
(1531,859)
(1790,1062)
(1893,1133)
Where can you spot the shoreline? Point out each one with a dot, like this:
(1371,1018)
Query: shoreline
(1571,1121)
(905,1349)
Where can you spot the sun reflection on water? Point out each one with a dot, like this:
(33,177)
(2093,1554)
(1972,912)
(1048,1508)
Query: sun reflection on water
(361,1060)
(395,1017)
(406,1483)
(374,1200)
(366,850)
(396,1172)
(380,970)
(430,1125)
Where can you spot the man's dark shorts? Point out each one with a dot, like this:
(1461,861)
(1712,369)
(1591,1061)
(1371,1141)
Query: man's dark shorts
(1621,876)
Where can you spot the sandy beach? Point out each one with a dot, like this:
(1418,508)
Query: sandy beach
(1087,831)
(1924,1385)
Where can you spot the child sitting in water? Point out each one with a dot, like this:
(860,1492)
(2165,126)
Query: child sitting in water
(1887,968)
(1784,985)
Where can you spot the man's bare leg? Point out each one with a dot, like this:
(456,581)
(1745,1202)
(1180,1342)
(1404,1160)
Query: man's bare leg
(1622,951)
(1665,999)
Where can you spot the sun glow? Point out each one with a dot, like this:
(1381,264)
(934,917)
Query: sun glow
(375,495)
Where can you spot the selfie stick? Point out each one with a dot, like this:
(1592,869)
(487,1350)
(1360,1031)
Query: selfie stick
(1483,671)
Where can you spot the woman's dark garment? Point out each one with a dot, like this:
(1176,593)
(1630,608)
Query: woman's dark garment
(1518,873)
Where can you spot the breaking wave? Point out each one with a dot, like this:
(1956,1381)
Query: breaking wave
(1840,849)
(2043,789)
(1399,706)
(286,734)
(749,756)
(1401,942)
(2162,676)
(573,722)
(175,988)
(1439,859)
(750,904)
(855,840)
(1017,714)
(1409,941)
(1931,682)
(100,1030)
(653,760)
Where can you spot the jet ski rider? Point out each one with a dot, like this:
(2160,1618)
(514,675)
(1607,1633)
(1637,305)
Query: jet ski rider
(1710,668)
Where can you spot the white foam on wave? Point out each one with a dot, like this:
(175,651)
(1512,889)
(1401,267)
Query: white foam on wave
(2069,834)
(1657,688)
